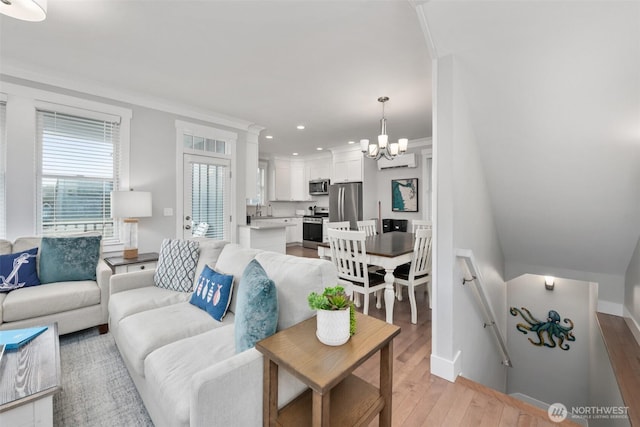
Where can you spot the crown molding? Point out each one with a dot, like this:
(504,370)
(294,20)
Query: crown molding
(18,71)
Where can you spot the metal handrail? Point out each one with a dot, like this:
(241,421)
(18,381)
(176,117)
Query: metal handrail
(472,275)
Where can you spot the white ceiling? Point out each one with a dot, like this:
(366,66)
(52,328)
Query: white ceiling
(554,95)
(274,63)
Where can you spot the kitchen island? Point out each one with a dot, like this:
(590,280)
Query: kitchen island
(265,235)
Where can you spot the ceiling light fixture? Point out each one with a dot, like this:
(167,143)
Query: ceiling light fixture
(319,148)
(295,154)
(299,127)
(351,142)
(267,136)
(383,148)
(25,10)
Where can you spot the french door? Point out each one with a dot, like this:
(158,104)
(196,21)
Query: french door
(206,207)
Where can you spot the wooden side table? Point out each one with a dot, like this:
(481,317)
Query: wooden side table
(337,397)
(119,264)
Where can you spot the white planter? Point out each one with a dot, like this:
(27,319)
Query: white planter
(332,326)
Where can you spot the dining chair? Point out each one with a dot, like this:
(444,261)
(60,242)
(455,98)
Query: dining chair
(349,255)
(419,272)
(368,226)
(420,223)
(339,225)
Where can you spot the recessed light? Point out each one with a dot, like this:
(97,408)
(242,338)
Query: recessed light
(351,142)
(269,136)
(300,127)
(295,154)
(319,148)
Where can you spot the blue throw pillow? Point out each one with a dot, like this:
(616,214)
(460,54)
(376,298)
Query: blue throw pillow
(213,293)
(256,307)
(18,270)
(64,259)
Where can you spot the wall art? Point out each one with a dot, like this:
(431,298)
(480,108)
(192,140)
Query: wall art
(551,328)
(404,195)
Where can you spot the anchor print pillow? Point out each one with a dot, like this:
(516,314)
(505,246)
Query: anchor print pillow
(18,270)
(212,293)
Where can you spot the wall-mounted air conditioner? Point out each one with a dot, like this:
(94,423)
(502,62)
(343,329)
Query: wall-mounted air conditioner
(403,161)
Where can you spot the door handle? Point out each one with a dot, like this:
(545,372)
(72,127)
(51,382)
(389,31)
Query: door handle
(187,218)
(187,227)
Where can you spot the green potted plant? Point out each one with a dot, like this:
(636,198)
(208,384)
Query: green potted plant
(336,319)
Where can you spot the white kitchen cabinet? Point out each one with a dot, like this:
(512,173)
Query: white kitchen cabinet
(299,181)
(347,167)
(294,234)
(319,168)
(282,179)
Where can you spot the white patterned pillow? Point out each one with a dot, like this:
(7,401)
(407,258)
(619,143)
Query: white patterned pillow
(177,265)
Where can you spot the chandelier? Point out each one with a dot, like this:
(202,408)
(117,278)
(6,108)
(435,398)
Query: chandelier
(25,10)
(383,148)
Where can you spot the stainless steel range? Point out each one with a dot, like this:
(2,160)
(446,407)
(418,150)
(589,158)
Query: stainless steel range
(312,228)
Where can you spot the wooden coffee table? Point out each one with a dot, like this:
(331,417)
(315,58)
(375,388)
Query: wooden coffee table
(29,377)
(337,397)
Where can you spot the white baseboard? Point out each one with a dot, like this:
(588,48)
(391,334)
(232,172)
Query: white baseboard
(612,308)
(632,323)
(445,368)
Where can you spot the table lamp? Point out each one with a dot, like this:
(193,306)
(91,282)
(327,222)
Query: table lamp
(130,205)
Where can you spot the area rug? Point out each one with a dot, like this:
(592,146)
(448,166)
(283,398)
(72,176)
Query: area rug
(96,387)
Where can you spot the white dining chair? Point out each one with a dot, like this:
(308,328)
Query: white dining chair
(368,226)
(420,223)
(419,272)
(339,225)
(349,255)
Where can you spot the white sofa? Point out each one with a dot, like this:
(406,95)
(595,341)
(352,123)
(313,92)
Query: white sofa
(184,362)
(74,305)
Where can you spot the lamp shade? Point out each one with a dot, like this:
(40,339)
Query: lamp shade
(130,204)
(25,10)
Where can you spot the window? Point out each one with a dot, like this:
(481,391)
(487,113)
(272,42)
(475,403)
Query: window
(78,169)
(3,156)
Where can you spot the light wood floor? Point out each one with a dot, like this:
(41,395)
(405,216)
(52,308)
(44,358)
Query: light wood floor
(422,399)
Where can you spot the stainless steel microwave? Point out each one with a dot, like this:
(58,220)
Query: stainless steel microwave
(319,187)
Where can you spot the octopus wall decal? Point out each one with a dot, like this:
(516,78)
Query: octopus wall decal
(551,328)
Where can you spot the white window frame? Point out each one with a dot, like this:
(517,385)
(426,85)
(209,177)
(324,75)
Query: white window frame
(3,160)
(42,99)
(230,138)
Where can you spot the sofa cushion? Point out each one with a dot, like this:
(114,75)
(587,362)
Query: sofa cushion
(142,333)
(213,293)
(209,252)
(5,247)
(123,304)
(24,243)
(176,265)
(257,308)
(233,260)
(18,270)
(64,259)
(169,370)
(27,303)
(295,279)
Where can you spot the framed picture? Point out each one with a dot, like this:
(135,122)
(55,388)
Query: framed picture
(404,195)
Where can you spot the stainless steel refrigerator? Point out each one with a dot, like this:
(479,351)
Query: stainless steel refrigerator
(345,203)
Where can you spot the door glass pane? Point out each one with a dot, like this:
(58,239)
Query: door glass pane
(208,198)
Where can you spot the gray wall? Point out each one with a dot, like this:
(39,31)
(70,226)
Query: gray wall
(632,293)
(152,164)
(547,374)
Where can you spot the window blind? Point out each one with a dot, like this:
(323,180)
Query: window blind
(208,198)
(3,157)
(78,169)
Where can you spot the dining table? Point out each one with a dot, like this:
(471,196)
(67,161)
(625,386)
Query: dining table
(387,250)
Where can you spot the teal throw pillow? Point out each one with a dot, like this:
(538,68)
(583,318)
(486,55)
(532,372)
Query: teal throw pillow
(65,259)
(18,270)
(213,293)
(256,307)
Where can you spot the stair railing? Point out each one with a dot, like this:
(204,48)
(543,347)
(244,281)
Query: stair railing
(471,274)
